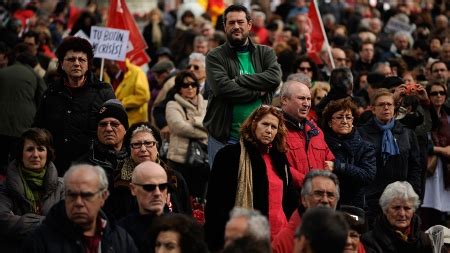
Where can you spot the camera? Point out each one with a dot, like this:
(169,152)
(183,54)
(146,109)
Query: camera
(411,89)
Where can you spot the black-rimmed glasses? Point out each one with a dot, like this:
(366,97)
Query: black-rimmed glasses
(147,144)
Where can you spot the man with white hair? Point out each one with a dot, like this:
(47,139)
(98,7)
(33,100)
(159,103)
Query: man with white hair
(246,222)
(77,223)
(320,189)
(196,65)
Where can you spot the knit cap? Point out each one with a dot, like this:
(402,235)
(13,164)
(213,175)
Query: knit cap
(113,108)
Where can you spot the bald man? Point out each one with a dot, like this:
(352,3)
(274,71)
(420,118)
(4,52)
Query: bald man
(149,185)
(338,57)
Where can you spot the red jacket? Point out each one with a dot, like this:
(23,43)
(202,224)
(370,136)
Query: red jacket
(307,149)
(283,242)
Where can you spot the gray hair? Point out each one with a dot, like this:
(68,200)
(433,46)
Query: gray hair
(301,78)
(102,178)
(399,189)
(198,57)
(285,90)
(140,129)
(400,34)
(200,38)
(257,224)
(307,183)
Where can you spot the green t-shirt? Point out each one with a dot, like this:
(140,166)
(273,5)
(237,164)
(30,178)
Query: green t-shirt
(242,111)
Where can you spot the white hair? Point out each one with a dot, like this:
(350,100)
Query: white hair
(102,178)
(401,190)
(257,224)
(197,57)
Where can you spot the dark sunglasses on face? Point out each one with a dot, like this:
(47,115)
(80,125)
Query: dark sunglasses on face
(435,93)
(196,67)
(189,84)
(267,107)
(304,69)
(152,187)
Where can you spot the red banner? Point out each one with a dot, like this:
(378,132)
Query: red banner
(315,37)
(120,18)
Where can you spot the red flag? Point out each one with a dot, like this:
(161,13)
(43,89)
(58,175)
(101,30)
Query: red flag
(315,37)
(120,18)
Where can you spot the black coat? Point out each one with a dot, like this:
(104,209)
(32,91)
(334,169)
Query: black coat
(403,167)
(139,227)
(71,117)
(383,239)
(58,234)
(223,182)
(355,166)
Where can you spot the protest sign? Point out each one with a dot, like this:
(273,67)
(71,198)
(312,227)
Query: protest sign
(109,43)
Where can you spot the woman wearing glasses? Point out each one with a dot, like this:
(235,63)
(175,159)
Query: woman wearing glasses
(142,141)
(253,173)
(396,150)
(308,67)
(184,117)
(436,201)
(30,189)
(355,163)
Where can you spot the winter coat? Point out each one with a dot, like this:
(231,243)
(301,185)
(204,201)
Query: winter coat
(139,227)
(229,87)
(402,167)
(71,117)
(221,195)
(58,234)
(21,91)
(16,217)
(354,164)
(134,93)
(185,122)
(307,149)
(384,239)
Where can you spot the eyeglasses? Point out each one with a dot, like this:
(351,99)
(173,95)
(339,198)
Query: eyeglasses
(147,144)
(87,196)
(113,124)
(304,69)
(384,105)
(342,118)
(196,67)
(81,60)
(322,194)
(152,187)
(435,93)
(189,84)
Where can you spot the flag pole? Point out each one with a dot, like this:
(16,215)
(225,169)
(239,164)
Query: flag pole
(324,34)
(102,65)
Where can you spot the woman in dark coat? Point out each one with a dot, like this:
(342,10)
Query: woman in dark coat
(254,174)
(355,163)
(397,151)
(397,229)
(31,188)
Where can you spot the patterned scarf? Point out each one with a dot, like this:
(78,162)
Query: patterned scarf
(33,183)
(389,145)
(244,191)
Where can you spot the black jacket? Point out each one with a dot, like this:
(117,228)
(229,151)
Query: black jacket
(223,183)
(58,234)
(354,164)
(139,227)
(70,116)
(383,239)
(402,167)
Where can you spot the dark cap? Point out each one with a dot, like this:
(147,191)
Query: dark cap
(391,82)
(163,51)
(375,79)
(355,217)
(163,66)
(113,108)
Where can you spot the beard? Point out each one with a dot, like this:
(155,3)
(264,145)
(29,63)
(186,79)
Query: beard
(237,42)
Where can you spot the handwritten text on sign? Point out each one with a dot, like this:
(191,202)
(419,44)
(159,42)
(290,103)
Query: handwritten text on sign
(109,43)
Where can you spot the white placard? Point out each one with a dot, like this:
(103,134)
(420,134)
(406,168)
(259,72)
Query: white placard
(109,43)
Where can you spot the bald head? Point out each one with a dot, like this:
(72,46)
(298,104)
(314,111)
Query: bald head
(149,184)
(338,57)
(295,99)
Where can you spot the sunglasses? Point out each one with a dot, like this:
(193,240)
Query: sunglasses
(435,93)
(189,84)
(152,187)
(268,107)
(196,67)
(304,69)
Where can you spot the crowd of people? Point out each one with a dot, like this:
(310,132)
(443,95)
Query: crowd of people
(235,139)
